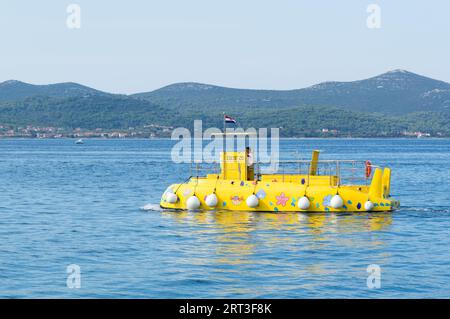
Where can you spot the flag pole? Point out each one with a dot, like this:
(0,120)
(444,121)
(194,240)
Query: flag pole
(224,123)
(224,130)
(223,145)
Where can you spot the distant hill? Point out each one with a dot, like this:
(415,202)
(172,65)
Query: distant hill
(384,105)
(122,112)
(394,92)
(93,111)
(13,90)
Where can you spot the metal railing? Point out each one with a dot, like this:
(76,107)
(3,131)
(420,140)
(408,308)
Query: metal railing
(345,172)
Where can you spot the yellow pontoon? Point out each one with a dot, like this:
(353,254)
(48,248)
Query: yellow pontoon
(297,186)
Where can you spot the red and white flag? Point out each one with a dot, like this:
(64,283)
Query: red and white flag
(229,119)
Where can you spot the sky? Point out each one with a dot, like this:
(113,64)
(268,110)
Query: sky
(137,46)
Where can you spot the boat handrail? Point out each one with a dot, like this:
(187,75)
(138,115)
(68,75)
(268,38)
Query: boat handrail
(319,161)
(290,161)
(346,172)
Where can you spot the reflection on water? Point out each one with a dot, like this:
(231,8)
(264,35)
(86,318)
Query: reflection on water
(239,235)
(317,223)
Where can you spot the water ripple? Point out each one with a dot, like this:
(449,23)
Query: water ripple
(99,208)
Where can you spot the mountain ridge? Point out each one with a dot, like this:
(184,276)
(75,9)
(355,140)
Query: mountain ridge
(98,113)
(384,105)
(13,90)
(393,92)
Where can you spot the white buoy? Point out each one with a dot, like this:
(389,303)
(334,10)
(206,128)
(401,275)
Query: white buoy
(211,200)
(303,203)
(193,203)
(171,198)
(252,201)
(336,201)
(368,206)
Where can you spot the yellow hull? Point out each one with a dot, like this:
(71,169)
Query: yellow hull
(237,188)
(274,196)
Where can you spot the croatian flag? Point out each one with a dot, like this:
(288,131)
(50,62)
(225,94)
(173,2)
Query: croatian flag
(229,119)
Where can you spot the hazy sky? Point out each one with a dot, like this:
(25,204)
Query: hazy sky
(132,46)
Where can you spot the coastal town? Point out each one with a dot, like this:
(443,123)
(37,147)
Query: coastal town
(147,131)
(30,131)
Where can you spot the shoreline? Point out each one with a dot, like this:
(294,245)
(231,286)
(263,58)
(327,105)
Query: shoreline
(281,138)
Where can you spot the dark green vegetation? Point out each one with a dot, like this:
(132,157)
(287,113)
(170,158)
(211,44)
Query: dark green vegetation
(395,92)
(386,105)
(90,112)
(16,90)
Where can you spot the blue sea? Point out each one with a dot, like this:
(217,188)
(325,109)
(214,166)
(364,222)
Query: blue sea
(97,206)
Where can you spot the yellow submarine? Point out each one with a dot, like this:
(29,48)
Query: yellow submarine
(297,186)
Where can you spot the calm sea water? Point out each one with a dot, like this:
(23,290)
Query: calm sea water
(63,204)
